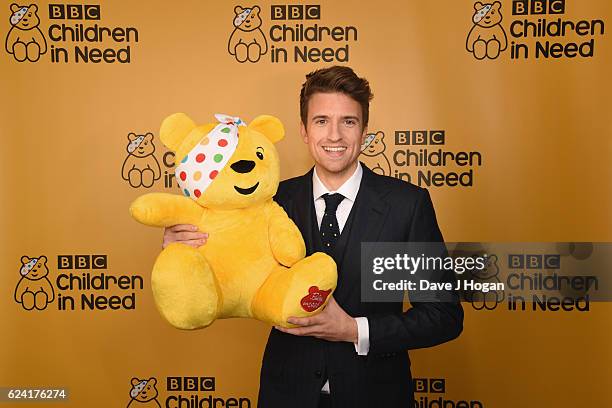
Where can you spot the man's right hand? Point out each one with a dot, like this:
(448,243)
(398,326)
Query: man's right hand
(184,234)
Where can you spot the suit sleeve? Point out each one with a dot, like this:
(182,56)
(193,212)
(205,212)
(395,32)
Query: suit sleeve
(425,324)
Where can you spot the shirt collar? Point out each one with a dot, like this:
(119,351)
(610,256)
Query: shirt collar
(349,189)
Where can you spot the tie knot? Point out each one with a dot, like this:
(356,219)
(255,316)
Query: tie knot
(332,201)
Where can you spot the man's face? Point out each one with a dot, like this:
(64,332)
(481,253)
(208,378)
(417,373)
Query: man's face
(334,132)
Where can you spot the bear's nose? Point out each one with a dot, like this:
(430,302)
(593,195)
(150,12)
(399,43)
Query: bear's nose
(243,166)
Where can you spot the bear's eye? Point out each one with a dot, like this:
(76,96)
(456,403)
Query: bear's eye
(259,153)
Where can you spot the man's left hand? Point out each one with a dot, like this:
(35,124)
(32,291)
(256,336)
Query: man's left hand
(332,324)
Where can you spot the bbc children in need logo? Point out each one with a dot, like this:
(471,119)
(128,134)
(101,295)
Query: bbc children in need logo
(295,33)
(76,33)
(80,282)
(535,29)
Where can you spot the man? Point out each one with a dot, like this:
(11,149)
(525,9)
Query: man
(352,354)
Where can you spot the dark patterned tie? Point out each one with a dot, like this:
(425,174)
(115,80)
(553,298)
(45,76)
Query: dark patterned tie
(330,231)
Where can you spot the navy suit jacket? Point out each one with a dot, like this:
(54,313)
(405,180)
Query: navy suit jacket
(294,368)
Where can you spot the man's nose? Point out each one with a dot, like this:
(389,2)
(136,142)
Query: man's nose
(243,166)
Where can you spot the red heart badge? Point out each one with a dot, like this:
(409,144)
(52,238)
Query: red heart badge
(314,299)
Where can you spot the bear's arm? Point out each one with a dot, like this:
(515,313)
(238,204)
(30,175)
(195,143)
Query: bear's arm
(48,288)
(261,40)
(40,39)
(233,41)
(165,210)
(285,238)
(471,39)
(11,38)
(503,40)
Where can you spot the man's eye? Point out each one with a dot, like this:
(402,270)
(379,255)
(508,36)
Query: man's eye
(350,122)
(320,121)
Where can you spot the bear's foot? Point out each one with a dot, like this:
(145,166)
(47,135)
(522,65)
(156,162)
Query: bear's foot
(241,52)
(300,291)
(185,288)
(33,51)
(480,49)
(148,177)
(41,299)
(254,52)
(28,300)
(20,51)
(493,48)
(135,177)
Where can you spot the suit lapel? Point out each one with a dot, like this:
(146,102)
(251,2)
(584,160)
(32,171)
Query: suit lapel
(369,217)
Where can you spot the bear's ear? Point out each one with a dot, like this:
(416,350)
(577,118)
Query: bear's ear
(149,136)
(496,5)
(255,9)
(25,259)
(15,7)
(238,9)
(33,8)
(132,136)
(152,381)
(269,126)
(380,134)
(478,5)
(42,259)
(174,130)
(135,381)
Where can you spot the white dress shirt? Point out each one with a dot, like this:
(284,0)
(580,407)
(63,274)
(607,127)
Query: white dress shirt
(349,190)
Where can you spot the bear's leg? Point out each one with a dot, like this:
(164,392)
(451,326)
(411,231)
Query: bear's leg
(254,52)
(493,48)
(28,300)
(478,300)
(135,177)
(147,178)
(241,52)
(490,300)
(299,291)
(20,51)
(480,49)
(185,288)
(33,51)
(41,299)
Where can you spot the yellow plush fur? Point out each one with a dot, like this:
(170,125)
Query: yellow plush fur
(253,263)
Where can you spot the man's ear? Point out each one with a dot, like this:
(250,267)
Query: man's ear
(269,126)
(303,132)
(174,130)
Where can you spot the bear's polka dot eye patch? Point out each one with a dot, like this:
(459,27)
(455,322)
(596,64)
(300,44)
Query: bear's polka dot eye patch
(138,388)
(202,164)
(480,14)
(18,15)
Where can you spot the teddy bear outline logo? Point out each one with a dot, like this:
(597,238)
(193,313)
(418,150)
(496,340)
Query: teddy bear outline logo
(34,290)
(144,393)
(140,168)
(487,38)
(247,42)
(373,153)
(25,41)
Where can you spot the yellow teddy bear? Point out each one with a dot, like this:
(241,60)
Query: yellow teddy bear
(253,263)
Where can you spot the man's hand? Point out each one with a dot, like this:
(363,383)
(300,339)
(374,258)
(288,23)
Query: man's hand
(332,324)
(184,234)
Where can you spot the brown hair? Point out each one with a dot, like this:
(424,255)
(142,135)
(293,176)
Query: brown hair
(336,79)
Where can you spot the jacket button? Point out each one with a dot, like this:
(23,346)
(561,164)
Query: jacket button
(318,374)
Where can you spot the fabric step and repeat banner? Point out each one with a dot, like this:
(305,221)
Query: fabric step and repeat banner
(505,119)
